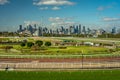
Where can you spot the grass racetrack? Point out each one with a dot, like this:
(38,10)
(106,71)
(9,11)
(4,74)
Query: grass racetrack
(61,75)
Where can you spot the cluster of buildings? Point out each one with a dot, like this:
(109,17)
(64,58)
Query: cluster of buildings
(34,30)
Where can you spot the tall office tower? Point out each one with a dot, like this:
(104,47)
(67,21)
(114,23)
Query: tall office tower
(30,28)
(88,30)
(24,29)
(73,29)
(84,30)
(76,30)
(51,31)
(79,30)
(40,31)
(62,30)
(35,26)
(70,30)
(114,30)
(45,30)
(57,31)
(66,31)
(20,28)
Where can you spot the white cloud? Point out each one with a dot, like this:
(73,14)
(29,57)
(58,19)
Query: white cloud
(63,24)
(32,23)
(43,8)
(53,2)
(2,2)
(55,8)
(57,21)
(107,19)
(100,8)
(109,6)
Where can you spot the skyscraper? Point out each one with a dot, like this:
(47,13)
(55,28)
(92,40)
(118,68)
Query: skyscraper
(114,30)
(88,30)
(40,31)
(84,30)
(72,29)
(30,28)
(20,28)
(76,30)
(79,29)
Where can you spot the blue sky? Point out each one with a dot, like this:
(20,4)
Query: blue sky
(53,13)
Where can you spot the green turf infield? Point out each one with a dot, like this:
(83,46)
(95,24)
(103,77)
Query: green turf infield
(61,75)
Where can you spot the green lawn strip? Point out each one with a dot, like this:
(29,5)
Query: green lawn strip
(61,56)
(61,75)
(78,50)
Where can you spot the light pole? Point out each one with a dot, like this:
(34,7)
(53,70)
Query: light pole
(82,60)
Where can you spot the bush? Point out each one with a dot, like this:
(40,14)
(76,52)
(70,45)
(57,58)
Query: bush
(39,43)
(62,47)
(111,50)
(30,44)
(22,44)
(48,44)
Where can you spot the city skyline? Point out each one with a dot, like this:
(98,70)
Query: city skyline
(54,13)
(78,30)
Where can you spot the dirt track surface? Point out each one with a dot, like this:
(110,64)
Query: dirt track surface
(108,59)
(60,63)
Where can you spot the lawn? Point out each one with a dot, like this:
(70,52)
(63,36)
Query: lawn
(61,75)
(56,50)
(79,50)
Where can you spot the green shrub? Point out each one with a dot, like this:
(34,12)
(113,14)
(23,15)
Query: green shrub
(48,44)
(62,47)
(30,44)
(39,43)
(23,44)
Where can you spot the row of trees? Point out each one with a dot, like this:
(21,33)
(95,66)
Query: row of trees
(38,43)
(109,36)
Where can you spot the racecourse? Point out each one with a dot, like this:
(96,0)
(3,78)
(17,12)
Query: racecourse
(81,57)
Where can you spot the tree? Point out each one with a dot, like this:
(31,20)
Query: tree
(48,44)
(30,44)
(39,43)
(22,44)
